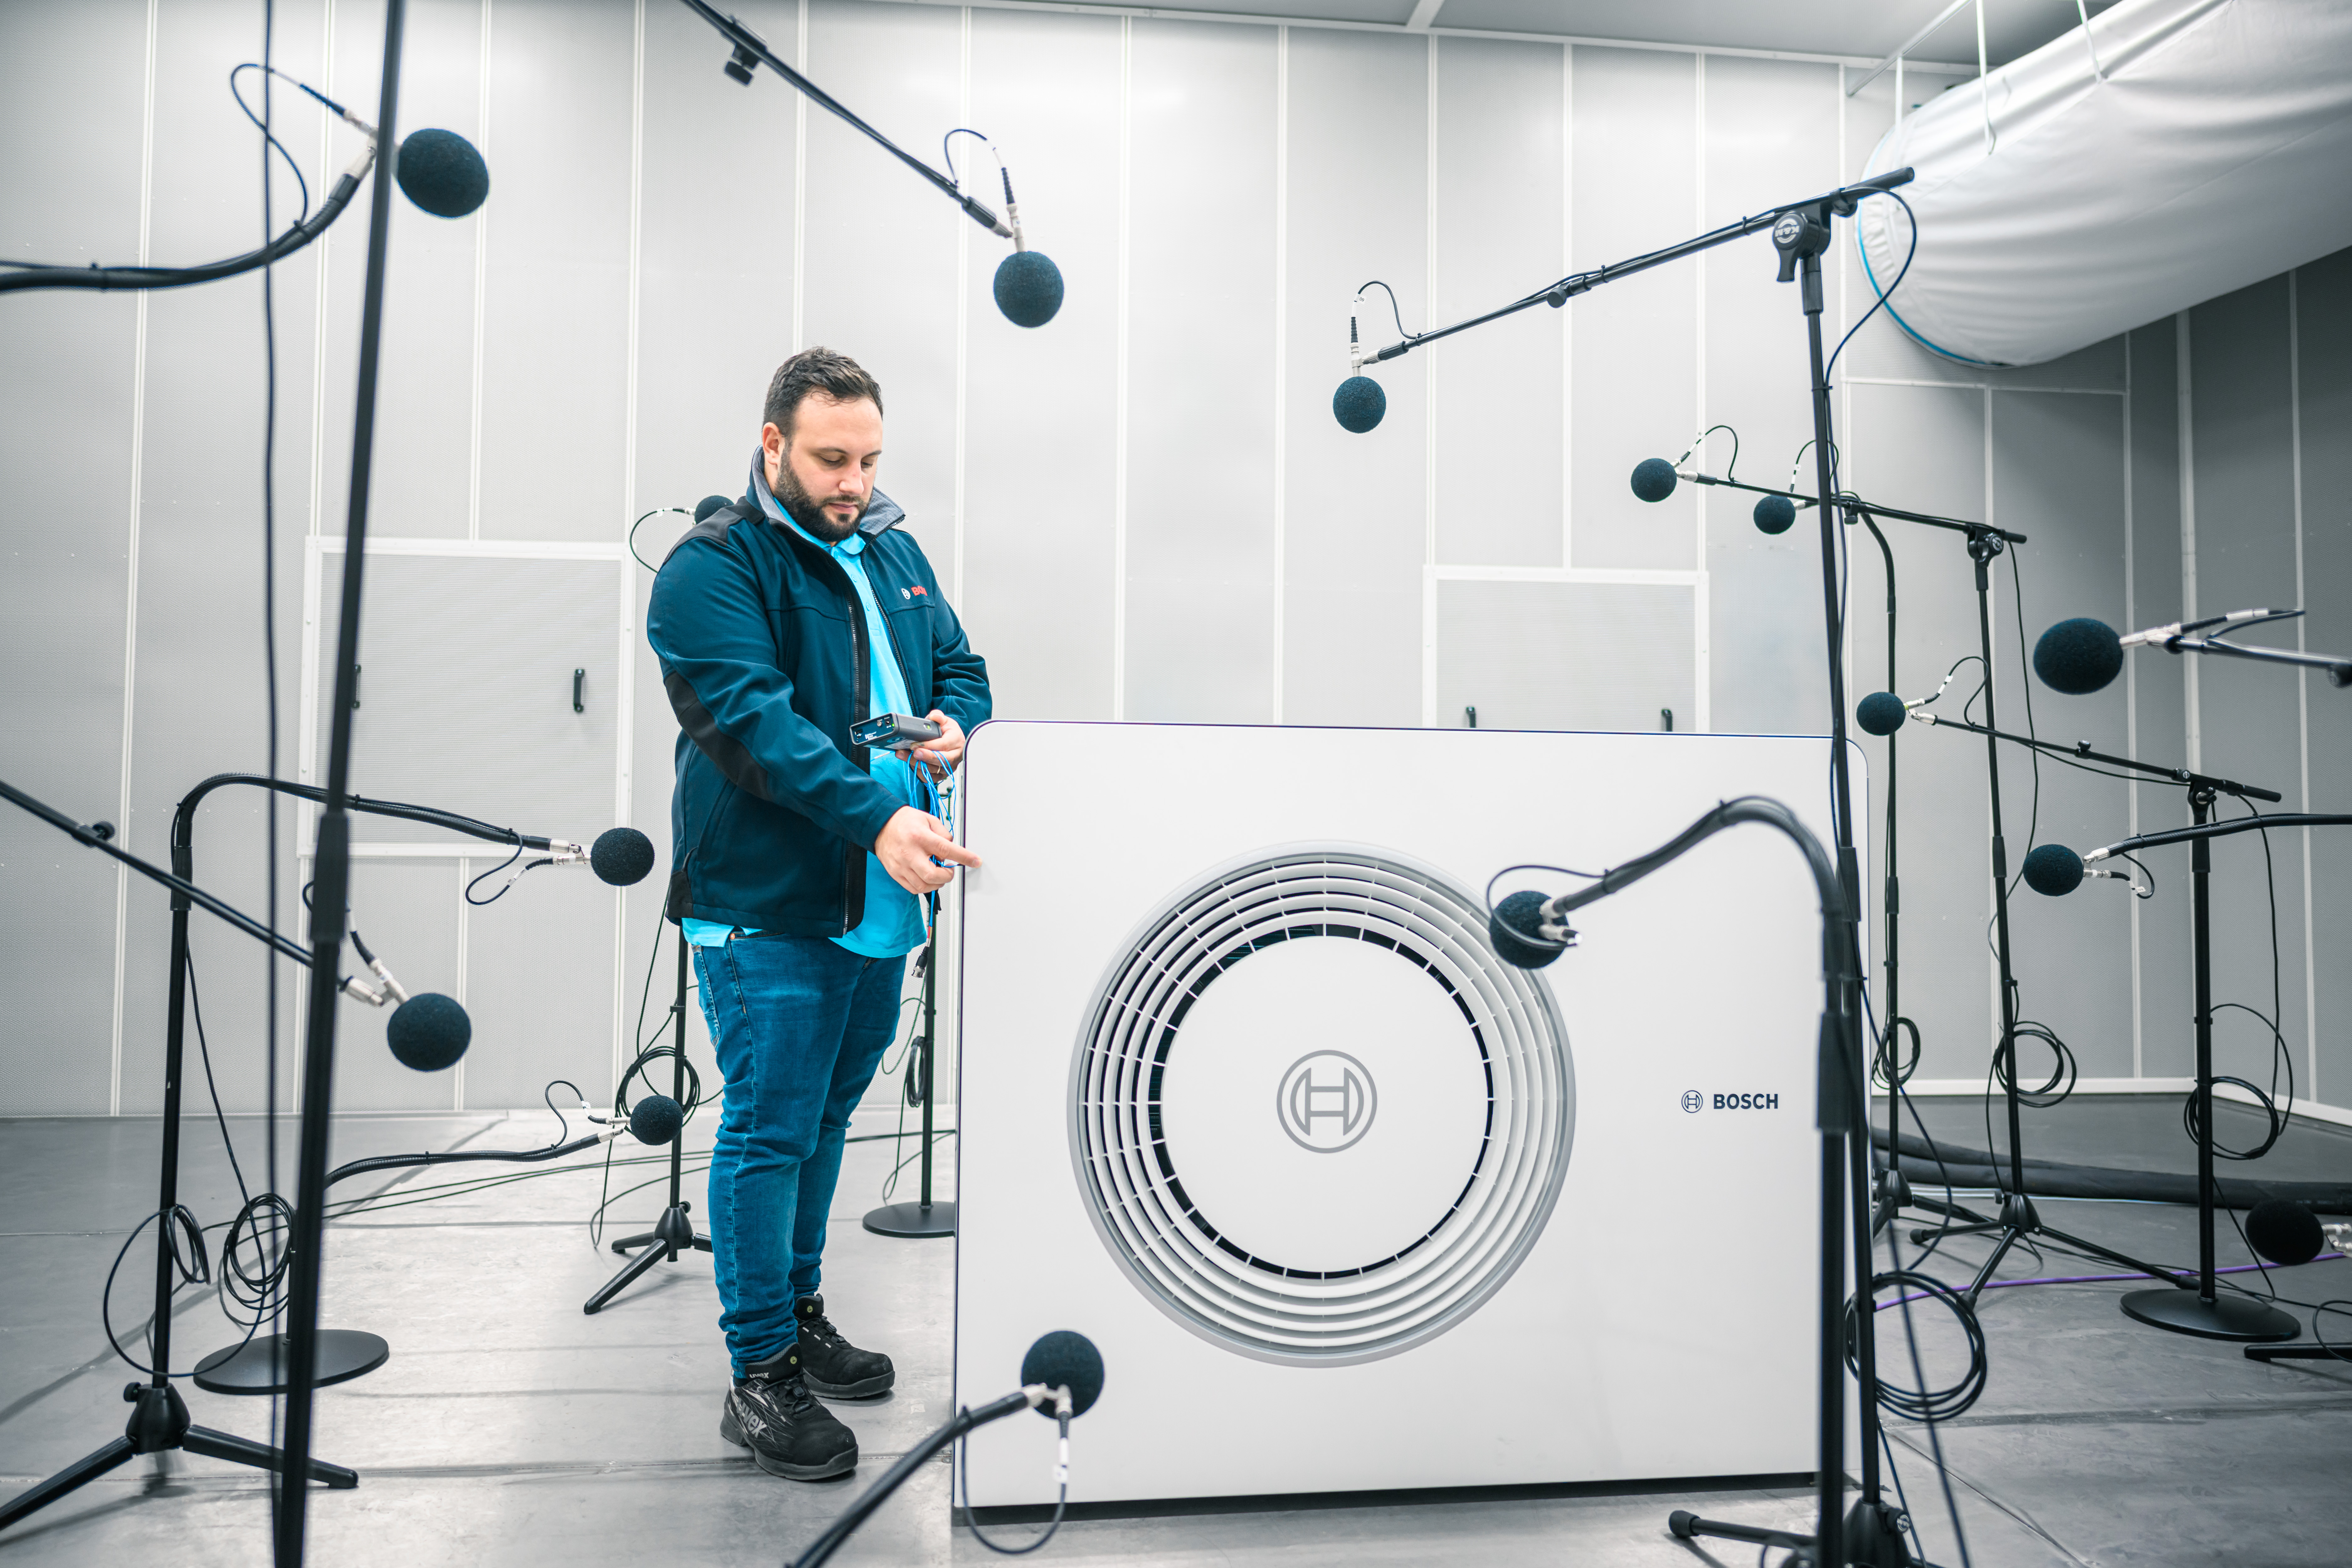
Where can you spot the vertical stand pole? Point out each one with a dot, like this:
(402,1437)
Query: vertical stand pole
(922,1217)
(332,864)
(2209,1315)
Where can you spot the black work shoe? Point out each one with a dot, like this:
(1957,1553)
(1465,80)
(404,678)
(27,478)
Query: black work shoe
(790,1435)
(835,1367)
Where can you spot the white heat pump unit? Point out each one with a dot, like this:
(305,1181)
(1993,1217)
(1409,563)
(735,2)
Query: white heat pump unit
(1346,1202)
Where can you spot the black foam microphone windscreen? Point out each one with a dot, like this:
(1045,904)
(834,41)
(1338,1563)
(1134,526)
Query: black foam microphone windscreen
(442,173)
(429,1032)
(1516,928)
(1065,1359)
(707,505)
(656,1118)
(1654,478)
(1360,404)
(1775,514)
(2284,1231)
(621,856)
(1880,713)
(2053,871)
(2078,657)
(1028,289)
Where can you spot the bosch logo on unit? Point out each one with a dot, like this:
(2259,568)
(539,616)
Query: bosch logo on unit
(1745,1102)
(1693,1100)
(1326,1101)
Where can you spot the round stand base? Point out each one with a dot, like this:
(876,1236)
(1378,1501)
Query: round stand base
(260,1365)
(912,1219)
(2227,1318)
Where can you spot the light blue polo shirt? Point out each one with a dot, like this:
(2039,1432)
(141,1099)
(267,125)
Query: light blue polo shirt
(893,925)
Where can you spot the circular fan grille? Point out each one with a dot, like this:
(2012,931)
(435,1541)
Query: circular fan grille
(1185,1259)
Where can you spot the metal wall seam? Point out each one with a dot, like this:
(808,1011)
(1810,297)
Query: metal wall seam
(2185,403)
(1121,402)
(1701,677)
(2131,711)
(1429,394)
(800,202)
(624,664)
(963,318)
(481,291)
(2301,677)
(1281,349)
(131,565)
(1566,317)
(457,1073)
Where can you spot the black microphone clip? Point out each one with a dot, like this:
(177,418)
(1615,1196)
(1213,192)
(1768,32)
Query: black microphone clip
(1797,234)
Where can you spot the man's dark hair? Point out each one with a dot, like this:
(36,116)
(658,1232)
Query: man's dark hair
(820,371)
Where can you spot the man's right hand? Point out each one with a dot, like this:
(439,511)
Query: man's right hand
(906,845)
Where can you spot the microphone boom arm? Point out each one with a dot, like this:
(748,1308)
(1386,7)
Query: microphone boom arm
(2217,830)
(2081,750)
(1557,294)
(751,50)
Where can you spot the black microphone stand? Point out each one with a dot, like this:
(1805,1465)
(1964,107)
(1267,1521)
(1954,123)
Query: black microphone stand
(331,866)
(159,1418)
(673,1236)
(922,1217)
(1801,233)
(2210,1315)
(2019,1220)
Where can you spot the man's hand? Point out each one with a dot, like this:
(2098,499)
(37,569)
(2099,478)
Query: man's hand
(939,756)
(908,841)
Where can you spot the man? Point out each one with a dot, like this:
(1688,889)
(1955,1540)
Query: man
(801,862)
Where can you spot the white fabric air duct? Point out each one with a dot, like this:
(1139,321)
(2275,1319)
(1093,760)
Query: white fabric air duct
(2183,149)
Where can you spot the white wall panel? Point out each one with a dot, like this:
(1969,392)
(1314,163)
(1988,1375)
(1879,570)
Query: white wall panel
(2324,406)
(715,267)
(1356,519)
(1201,501)
(1771,136)
(1039,435)
(1564,656)
(1635,340)
(1499,149)
(554,338)
(880,247)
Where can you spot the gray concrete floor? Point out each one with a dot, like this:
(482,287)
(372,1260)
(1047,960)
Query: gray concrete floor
(507,1427)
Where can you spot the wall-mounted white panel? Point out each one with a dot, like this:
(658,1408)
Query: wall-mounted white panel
(2324,312)
(1565,655)
(408,913)
(880,247)
(2249,718)
(538,987)
(1201,388)
(1499,148)
(421,478)
(1355,508)
(1923,449)
(715,261)
(1039,434)
(2057,463)
(1771,136)
(1635,340)
(555,317)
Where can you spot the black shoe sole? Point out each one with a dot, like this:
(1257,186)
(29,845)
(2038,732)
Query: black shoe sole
(840,1465)
(870,1388)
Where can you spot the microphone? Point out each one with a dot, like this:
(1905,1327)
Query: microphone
(1882,712)
(2078,657)
(429,1032)
(441,172)
(1063,1366)
(1525,933)
(1028,286)
(1360,404)
(656,1118)
(621,856)
(707,505)
(1655,477)
(2285,1232)
(2053,871)
(1775,514)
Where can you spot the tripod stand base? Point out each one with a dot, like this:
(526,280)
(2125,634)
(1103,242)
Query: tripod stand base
(259,1366)
(671,1239)
(2224,1317)
(912,1219)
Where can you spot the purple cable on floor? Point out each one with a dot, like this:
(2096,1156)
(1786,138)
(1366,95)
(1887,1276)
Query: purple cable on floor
(2107,1278)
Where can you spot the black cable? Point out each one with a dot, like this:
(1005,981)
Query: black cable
(269,141)
(494,898)
(1881,303)
(1061,1504)
(179,1224)
(1922,1404)
(633,533)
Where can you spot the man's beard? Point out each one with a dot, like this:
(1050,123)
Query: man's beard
(805,508)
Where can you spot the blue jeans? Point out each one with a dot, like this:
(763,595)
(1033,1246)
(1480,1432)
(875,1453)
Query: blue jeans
(800,1024)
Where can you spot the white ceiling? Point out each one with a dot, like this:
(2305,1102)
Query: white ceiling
(1861,28)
